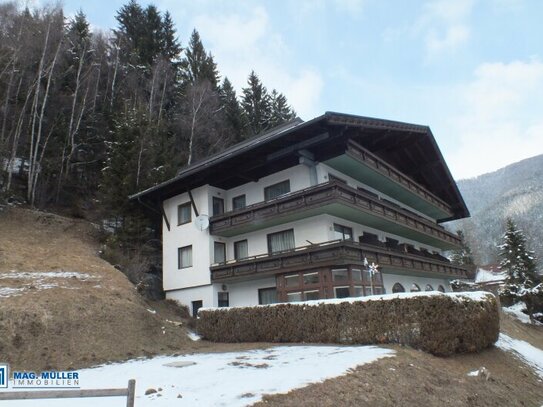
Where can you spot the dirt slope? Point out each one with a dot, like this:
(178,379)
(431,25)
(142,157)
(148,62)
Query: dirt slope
(62,306)
(415,378)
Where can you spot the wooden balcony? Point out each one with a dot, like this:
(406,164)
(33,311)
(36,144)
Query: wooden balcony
(333,254)
(338,199)
(368,168)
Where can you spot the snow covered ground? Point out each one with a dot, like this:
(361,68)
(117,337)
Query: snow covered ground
(516,311)
(220,379)
(529,354)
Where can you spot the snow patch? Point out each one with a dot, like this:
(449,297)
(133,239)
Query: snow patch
(221,379)
(193,336)
(38,275)
(516,311)
(529,354)
(29,281)
(489,276)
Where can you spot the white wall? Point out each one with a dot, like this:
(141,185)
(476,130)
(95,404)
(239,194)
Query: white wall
(207,294)
(185,235)
(314,229)
(246,293)
(407,281)
(254,191)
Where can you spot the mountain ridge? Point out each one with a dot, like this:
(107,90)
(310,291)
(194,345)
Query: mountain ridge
(515,191)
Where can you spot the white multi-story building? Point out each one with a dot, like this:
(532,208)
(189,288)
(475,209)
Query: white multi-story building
(299,213)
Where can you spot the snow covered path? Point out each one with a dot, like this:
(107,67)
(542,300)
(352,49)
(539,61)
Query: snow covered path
(220,379)
(529,354)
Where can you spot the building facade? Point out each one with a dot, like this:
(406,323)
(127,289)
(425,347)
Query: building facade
(302,211)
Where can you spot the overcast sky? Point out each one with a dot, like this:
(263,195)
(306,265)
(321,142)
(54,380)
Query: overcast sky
(470,69)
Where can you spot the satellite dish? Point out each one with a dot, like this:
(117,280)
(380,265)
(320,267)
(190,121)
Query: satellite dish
(201,222)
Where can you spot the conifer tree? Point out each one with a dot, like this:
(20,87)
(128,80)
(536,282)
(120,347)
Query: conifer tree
(234,117)
(198,66)
(281,112)
(463,256)
(256,103)
(517,260)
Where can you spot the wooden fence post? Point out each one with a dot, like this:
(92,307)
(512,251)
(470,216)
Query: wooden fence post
(131,393)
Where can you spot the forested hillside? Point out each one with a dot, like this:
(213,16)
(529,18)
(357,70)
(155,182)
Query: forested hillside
(89,117)
(514,191)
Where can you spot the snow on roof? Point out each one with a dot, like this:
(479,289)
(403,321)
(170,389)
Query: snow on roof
(488,276)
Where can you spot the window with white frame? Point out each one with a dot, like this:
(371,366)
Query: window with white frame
(184,257)
(275,190)
(219,252)
(281,241)
(184,213)
(241,250)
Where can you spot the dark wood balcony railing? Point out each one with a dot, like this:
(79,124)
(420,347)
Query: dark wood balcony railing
(331,254)
(310,199)
(371,160)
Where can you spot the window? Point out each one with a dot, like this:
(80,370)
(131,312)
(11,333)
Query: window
(357,275)
(196,305)
(267,295)
(441,288)
(280,241)
(223,299)
(184,257)
(219,252)
(292,281)
(358,291)
(294,297)
(341,292)
(218,206)
(429,288)
(378,290)
(367,291)
(311,278)
(238,202)
(275,190)
(342,232)
(415,288)
(241,250)
(311,295)
(184,213)
(398,288)
(340,275)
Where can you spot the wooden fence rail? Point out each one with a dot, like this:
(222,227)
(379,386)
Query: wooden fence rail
(128,392)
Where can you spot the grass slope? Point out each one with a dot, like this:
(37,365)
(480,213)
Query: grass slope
(93,314)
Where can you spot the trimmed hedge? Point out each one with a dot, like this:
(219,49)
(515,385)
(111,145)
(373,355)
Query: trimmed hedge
(442,324)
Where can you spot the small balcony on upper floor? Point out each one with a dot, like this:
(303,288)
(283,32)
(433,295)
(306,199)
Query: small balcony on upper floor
(337,253)
(368,168)
(336,199)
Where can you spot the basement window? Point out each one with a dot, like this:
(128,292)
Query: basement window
(297,296)
(311,295)
(341,292)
